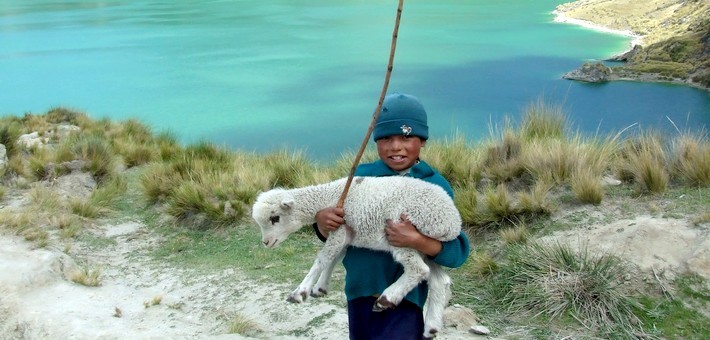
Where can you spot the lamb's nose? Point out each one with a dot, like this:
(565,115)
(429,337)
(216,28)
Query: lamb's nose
(266,243)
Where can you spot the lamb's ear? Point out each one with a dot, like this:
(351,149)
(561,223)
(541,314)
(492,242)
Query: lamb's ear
(287,203)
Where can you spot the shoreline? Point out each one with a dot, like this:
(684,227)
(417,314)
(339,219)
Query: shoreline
(636,39)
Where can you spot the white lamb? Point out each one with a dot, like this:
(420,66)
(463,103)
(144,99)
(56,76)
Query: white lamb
(369,203)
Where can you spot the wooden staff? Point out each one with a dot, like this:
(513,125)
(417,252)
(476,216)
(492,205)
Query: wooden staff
(341,201)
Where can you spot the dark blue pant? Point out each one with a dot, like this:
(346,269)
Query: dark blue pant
(404,322)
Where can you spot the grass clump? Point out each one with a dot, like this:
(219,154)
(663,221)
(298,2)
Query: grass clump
(87,276)
(241,324)
(692,159)
(645,160)
(552,281)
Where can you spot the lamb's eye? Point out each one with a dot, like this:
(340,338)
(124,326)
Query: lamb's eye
(274,219)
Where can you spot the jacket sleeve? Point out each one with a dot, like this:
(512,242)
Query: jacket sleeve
(453,253)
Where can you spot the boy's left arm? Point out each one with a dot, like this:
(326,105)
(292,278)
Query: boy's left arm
(450,254)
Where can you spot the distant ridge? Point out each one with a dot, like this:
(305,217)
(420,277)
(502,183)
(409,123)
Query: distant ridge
(673,42)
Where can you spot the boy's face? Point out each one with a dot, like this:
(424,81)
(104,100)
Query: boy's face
(399,152)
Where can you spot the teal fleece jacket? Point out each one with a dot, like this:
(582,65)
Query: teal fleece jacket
(368,272)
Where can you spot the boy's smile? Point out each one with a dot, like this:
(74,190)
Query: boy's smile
(399,152)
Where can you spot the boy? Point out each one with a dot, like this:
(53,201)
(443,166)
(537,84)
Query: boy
(400,132)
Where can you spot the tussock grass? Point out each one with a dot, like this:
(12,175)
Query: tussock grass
(519,234)
(484,265)
(108,194)
(555,282)
(550,160)
(498,204)
(69,226)
(502,161)
(466,200)
(58,115)
(18,221)
(10,131)
(134,153)
(543,120)
(156,300)
(38,165)
(455,159)
(84,208)
(241,324)
(587,186)
(37,235)
(288,169)
(536,201)
(98,155)
(87,276)
(3,190)
(692,159)
(645,159)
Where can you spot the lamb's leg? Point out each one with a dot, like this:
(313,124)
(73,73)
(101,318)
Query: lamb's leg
(415,270)
(437,300)
(321,287)
(324,263)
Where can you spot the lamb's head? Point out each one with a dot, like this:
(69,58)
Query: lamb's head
(274,212)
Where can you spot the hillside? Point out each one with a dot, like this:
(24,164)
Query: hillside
(674,44)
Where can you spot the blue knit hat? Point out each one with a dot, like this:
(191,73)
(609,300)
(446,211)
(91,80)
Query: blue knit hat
(401,114)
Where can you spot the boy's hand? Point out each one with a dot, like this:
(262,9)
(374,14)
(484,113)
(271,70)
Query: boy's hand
(329,219)
(405,234)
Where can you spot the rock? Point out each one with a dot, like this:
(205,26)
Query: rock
(610,181)
(30,140)
(459,317)
(626,56)
(64,130)
(480,330)
(590,72)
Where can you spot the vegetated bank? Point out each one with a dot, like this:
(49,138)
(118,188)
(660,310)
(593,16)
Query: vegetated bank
(523,182)
(674,44)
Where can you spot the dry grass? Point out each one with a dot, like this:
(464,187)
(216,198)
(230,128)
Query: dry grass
(86,276)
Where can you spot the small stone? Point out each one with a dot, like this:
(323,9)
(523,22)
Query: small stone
(480,330)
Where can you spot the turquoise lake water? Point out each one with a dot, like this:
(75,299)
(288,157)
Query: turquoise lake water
(261,75)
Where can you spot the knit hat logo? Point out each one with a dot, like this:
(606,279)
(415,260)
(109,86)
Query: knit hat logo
(401,115)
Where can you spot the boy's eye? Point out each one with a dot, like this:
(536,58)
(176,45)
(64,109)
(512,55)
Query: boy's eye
(274,219)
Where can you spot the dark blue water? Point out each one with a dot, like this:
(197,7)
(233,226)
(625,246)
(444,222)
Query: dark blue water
(259,75)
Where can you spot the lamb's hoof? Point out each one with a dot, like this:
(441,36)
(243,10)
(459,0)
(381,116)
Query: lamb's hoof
(297,297)
(430,334)
(319,293)
(382,304)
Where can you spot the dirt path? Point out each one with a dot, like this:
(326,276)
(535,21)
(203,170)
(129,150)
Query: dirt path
(38,301)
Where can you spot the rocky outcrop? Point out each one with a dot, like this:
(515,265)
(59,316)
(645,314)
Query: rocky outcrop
(590,72)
